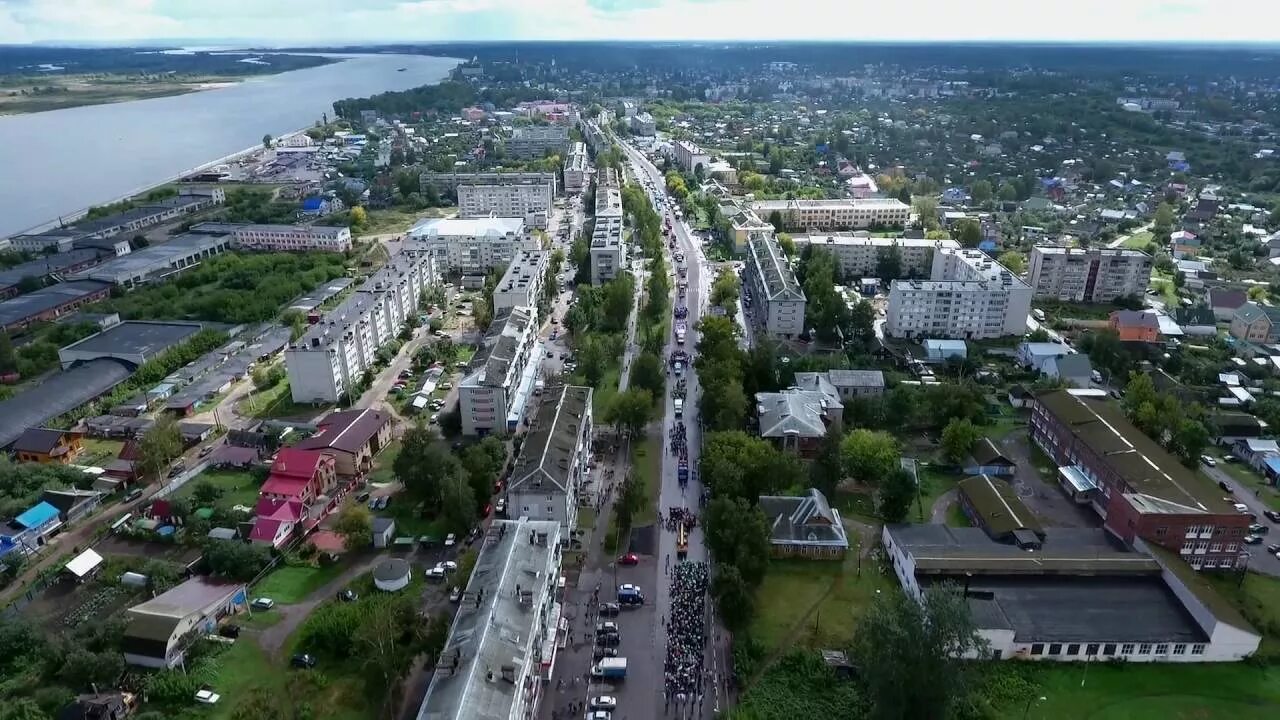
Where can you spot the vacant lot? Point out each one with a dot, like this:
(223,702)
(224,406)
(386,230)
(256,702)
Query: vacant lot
(293,583)
(238,487)
(815,603)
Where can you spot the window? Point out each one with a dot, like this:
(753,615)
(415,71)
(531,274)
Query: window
(1055,648)
(1180,649)
(1109,649)
(1162,649)
(1126,649)
(1161,531)
(1091,649)
(1215,547)
(1197,649)
(1073,649)
(1037,648)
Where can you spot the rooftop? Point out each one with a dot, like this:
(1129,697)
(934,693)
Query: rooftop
(500,347)
(135,337)
(47,265)
(862,239)
(803,519)
(1157,478)
(850,203)
(57,394)
(348,431)
(24,307)
(942,550)
(156,257)
(549,448)
(778,277)
(1090,252)
(997,504)
(521,272)
(795,412)
(481,227)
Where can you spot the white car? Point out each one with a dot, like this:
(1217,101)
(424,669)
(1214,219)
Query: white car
(604,702)
(599,715)
(447,565)
(450,540)
(262,603)
(207,697)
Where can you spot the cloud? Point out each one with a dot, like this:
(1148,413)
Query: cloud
(356,21)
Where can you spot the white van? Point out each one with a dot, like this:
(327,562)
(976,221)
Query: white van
(679,405)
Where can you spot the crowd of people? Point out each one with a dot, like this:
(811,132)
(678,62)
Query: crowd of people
(677,516)
(686,633)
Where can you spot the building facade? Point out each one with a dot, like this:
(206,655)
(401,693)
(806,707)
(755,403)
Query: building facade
(779,300)
(1092,275)
(851,214)
(968,296)
(523,283)
(332,355)
(496,390)
(608,250)
(529,201)
(529,142)
(577,169)
(288,237)
(554,459)
(859,255)
(643,124)
(469,245)
(689,156)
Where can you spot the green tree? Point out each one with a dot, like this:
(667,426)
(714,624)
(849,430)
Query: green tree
(205,492)
(1008,193)
(158,447)
(958,438)
(734,598)
(894,497)
(629,411)
(355,526)
(8,360)
(967,232)
(266,141)
(593,360)
(981,192)
(734,464)
(926,207)
(787,244)
(458,508)
(235,560)
(1014,261)
(423,465)
(647,373)
(826,471)
(1162,221)
(737,533)
(869,456)
(889,263)
(775,219)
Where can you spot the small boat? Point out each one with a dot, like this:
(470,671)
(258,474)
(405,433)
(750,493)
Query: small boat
(401,69)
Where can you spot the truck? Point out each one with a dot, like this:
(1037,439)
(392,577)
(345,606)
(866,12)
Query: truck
(680,330)
(612,668)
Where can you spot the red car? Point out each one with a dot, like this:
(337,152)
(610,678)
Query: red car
(629,559)
(487,509)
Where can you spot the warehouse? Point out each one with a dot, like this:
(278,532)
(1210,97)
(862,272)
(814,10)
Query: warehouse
(49,303)
(159,261)
(133,342)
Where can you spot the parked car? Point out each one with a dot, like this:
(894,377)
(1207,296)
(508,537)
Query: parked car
(1253,540)
(608,609)
(607,628)
(603,702)
(348,595)
(383,502)
(608,640)
(1226,486)
(450,540)
(1272,515)
(455,595)
(500,507)
(132,495)
(1207,460)
(1256,529)
(363,497)
(435,573)
(262,603)
(604,652)
(303,661)
(473,535)
(1273,548)
(447,565)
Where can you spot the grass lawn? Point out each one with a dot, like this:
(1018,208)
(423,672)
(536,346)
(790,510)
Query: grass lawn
(857,505)
(238,488)
(382,465)
(932,486)
(956,517)
(98,451)
(834,591)
(1244,475)
(1138,241)
(276,402)
(410,522)
(646,461)
(259,619)
(293,583)
(244,666)
(394,220)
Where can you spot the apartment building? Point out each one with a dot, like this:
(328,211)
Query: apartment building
(529,201)
(596,138)
(689,156)
(858,254)
(497,387)
(577,172)
(522,284)
(1139,489)
(448,182)
(282,237)
(1088,275)
(779,301)
(968,296)
(331,356)
(608,251)
(530,142)
(497,662)
(644,125)
(469,245)
(742,223)
(847,214)
(554,458)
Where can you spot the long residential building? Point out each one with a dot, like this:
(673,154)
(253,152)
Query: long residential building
(554,459)
(849,214)
(450,181)
(332,355)
(529,142)
(522,284)
(530,201)
(779,300)
(497,662)
(968,296)
(577,169)
(1139,489)
(608,249)
(470,245)
(859,254)
(1089,275)
(493,395)
(281,237)
(689,156)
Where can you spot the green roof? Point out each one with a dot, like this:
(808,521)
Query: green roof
(996,502)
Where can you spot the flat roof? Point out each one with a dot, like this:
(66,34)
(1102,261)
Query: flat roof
(23,307)
(155,257)
(1145,466)
(859,239)
(47,265)
(135,337)
(188,597)
(999,506)
(851,203)
(942,550)
(467,227)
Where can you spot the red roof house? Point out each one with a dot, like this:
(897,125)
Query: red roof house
(296,491)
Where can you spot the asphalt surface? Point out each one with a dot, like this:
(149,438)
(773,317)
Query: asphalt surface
(1260,560)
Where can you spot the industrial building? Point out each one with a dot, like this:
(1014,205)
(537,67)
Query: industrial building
(157,262)
(43,268)
(81,234)
(469,245)
(554,459)
(779,300)
(529,201)
(968,296)
(523,282)
(50,303)
(133,342)
(858,254)
(1088,275)
(850,214)
(500,380)
(530,142)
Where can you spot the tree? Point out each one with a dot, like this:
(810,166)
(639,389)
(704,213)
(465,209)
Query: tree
(631,498)
(235,560)
(734,464)
(647,373)
(967,232)
(629,411)
(981,192)
(869,456)
(898,641)
(1014,261)
(158,447)
(8,360)
(205,492)
(1008,193)
(889,263)
(787,244)
(1162,221)
(481,466)
(593,359)
(926,207)
(355,525)
(380,644)
(958,438)
(457,502)
(359,217)
(423,465)
(737,533)
(826,471)
(775,219)
(266,141)
(895,495)
(733,596)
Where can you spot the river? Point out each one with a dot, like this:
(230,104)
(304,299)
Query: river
(57,163)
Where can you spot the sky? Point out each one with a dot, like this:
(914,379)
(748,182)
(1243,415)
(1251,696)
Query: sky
(286,22)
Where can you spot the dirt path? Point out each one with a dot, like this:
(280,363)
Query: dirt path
(272,639)
(938,514)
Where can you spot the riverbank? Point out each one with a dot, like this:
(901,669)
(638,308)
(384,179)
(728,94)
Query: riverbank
(19,96)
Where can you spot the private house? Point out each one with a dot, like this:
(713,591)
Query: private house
(72,504)
(1255,451)
(1184,244)
(1256,323)
(1135,326)
(1034,355)
(45,445)
(299,490)
(100,706)
(796,420)
(352,437)
(1227,428)
(986,459)
(1075,370)
(804,526)
(36,524)
(994,506)
(846,384)
(159,630)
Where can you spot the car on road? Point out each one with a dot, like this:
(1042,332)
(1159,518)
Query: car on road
(1256,529)
(204,451)
(608,640)
(599,715)
(1272,515)
(1207,460)
(455,595)
(1226,486)
(435,573)
(473,535)
(304,661)
(450,540)
(373,503)
(1253,540)
(447,565)
(1273,548)
(603,702)
(608,627)
(608,609)
(628,559)
(500,507)
(262,603)
(604,652)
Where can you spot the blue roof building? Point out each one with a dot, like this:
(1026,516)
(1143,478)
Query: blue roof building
(37,517)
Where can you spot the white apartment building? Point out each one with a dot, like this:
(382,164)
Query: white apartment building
(330,357)
(608,251)
(644,125)
(858,254)
(285,237)
(530,142)
(577,172)
(690,156)
(968,296)
(779,300)
(497,663)
(531,201)
(1093,275)
(450,181)
(469,245)
(848,214)
(554,458)
(522,284)
(493,395)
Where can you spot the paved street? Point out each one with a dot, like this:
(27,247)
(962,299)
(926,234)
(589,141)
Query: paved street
(1259,559)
